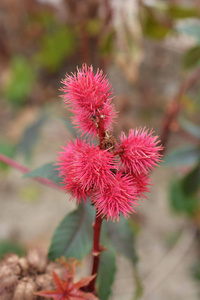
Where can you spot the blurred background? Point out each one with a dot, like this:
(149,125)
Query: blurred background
(151,53)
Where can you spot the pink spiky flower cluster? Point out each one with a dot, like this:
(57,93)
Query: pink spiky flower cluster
(89,97)
(85,168)
(113,175)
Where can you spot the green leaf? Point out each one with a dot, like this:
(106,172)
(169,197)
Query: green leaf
(44,19)
(192,57)
(10,247)
(106,273)
(181,202)
(30,137)
(183,156)
(73,237)
(21,82)
(190,127)
(56,46)
(196,270)
(181,12)
(45,171)
(191,182)
(122,238)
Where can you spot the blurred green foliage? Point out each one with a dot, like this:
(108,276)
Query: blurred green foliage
(196,270)
(31,136)
(152,25)
(190,127)
(191,182)
(22,79)
(55,47)
(181,11)
(106,273)
(46,171)
(8,149)
(94,26)
(54,41)
(185,155)
(184,192)
(182,202)
(106,45)
(160,21)
(7,247)
(192,57)
(26,145)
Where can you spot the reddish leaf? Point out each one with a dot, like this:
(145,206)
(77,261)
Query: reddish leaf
(84,281)
(68,289)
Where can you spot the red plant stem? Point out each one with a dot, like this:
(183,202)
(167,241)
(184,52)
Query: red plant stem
(98,221)
(25,170)
(101,131)
(96,252)
(176,105)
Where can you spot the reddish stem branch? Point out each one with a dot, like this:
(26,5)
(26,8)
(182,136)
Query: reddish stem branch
(98,221)
(175,107)
(96,252)
(25,170)
(101,131)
